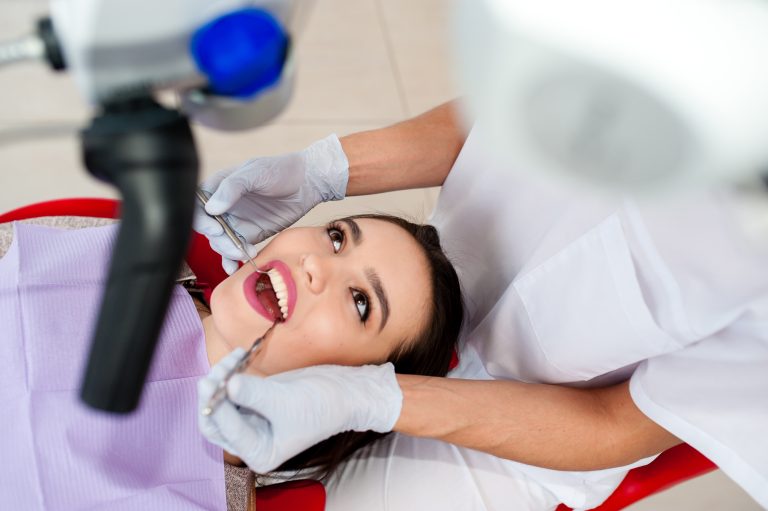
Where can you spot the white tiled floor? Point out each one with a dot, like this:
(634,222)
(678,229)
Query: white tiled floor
(362,64)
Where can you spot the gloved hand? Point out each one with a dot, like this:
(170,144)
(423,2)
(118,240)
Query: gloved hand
(265,195)
(284,414)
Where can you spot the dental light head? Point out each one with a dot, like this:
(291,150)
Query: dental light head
(229,63)
(634,94)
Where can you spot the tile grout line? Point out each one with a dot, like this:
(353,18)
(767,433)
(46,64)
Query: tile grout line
(392,59)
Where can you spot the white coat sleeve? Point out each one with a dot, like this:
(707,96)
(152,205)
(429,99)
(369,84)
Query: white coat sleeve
(713,395)
(711,294)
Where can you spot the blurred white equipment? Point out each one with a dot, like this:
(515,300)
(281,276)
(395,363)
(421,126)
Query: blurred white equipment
(639,94)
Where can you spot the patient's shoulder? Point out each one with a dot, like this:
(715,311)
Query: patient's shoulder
(70,223)
(62,222)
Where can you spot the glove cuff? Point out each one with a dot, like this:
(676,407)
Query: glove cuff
(327,168)
(384,399)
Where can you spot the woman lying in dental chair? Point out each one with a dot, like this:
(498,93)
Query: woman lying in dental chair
(362,290)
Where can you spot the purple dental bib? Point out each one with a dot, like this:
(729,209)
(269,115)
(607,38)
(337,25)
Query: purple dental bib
(55,453)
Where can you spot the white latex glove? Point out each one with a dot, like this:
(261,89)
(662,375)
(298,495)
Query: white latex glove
(265,195)
(284,414)
(205,388)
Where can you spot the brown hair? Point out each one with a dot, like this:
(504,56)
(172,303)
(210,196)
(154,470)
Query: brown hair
(429,353)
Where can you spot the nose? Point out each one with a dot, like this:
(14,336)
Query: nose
(316,270)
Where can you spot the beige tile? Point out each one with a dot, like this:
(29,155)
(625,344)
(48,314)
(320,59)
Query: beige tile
(344,71)
(418,35)
(34,170)
(713,492)
(30,91)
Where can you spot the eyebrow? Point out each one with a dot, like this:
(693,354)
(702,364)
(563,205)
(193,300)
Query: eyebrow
(354,229)
(373,278)
(370,273)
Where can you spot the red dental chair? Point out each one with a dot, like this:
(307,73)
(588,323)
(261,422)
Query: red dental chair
(672,467)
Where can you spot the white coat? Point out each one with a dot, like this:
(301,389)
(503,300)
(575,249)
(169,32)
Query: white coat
(568,288)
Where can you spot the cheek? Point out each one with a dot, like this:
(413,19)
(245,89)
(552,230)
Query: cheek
(234,319)
(317,340)
(285,242)
(222,309)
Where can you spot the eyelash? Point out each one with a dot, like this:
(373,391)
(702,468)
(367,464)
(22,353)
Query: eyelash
(336,228)
(357,295)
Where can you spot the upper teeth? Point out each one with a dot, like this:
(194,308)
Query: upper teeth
(281,290)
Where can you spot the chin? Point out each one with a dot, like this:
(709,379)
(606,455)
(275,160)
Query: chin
(259,367)
(267,366)
(235,321)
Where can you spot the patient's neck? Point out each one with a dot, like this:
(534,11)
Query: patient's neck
(215,345)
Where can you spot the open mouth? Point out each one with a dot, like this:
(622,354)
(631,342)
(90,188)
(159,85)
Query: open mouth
(267,296)
(271,294)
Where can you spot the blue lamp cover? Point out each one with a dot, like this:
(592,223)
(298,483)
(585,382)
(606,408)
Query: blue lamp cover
(241,52)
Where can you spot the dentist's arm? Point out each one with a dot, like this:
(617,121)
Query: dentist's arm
(545,425)
(550,426)
(416,153)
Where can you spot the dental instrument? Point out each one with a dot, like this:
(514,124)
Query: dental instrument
(231,233)
(221,389)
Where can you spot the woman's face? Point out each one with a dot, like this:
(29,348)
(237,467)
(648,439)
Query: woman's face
(354,292)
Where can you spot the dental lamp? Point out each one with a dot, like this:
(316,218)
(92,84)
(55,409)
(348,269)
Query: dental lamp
(230,64)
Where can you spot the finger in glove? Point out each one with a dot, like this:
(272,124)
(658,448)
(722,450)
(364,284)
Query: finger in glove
(206,225)
(205,389)
(229,191)
(229,265)
(254,392)
(224,246)
(250,437)
(226,364)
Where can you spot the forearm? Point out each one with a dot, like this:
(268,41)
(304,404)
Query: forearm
(416,153)
(544,425)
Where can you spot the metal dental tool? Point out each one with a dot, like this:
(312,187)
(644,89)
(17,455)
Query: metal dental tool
(231,234)
(221,389)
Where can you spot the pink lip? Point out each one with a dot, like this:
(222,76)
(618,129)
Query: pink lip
(249,289)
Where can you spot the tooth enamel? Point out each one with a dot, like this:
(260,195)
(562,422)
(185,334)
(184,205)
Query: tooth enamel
(277,280)
(281,290)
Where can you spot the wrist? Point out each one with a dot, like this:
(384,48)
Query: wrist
(380,400)
(327,168)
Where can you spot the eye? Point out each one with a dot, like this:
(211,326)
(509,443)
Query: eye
(337,237)
(361,302)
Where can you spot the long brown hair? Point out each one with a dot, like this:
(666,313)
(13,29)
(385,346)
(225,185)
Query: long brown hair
(429,353)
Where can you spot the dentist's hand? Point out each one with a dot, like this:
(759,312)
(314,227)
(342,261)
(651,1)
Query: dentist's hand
(265,195)
(284,414)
